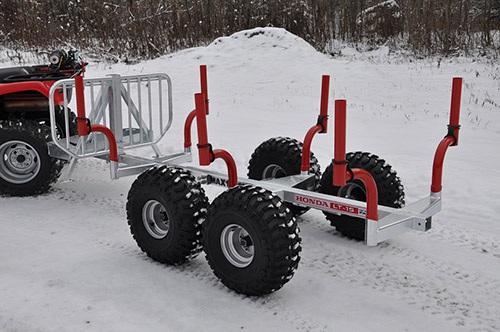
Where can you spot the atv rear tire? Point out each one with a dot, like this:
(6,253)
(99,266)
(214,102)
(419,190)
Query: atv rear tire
(26,168)
(390,191)
(279,157)
(251,240)
(165,208)
(60,120)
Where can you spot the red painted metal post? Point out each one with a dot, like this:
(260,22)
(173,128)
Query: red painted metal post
(83,127)
(204,148)
(456,99)
(320,128)
(191,116)
(451,138)
(323,111)
(340,173)
(339,160)
(204,85)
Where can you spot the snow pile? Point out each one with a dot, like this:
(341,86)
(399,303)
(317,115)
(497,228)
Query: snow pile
(271,39)
(87,274)
(258,46)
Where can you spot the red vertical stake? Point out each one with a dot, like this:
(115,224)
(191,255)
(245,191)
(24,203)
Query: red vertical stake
(321,127)
(325,95)
(339,161)
(81,121)
(456,100)
(451,138)
(201,122)
(204,85)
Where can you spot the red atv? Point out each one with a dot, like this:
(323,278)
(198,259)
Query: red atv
(25,165)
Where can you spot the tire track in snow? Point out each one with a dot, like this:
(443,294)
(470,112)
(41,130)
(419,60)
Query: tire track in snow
(445,291)
(428,294)
(483,285)
(469,239)
(195,271)
(486,286)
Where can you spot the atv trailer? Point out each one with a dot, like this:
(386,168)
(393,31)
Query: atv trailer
(249,233)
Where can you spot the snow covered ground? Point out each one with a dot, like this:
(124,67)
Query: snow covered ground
(68,262)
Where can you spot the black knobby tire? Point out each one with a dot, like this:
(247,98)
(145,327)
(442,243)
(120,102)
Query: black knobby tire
(390,191)
(35,136)
(286,153)
(184,203)
(60,120)
(273,233)
(73,127)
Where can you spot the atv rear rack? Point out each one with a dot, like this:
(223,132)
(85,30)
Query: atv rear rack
(135,102)
(125,105)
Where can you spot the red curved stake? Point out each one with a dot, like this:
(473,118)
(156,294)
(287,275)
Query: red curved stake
(206,154)
(437,167)
(187,129)
(306,148)
(232,171)
(320,128)
(113,148)
(451,138)
(371,192)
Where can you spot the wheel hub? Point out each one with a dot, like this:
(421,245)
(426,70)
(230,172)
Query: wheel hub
(21,158)
(273,171)
(352,190)
(19,162)
(155,219)
(237,245)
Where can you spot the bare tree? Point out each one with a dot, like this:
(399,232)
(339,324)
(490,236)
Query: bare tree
(148,28)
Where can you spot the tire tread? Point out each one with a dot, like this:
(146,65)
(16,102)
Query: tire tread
(189,211)
(278,229)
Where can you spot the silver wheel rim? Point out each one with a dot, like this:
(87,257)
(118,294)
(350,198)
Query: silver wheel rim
(237,245)
(19,162)
(155,219)
(352,190)
(273,171)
